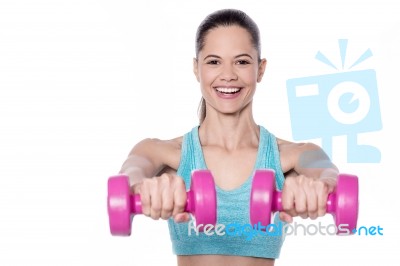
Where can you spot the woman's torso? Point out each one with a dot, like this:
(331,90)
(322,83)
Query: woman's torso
(230,170)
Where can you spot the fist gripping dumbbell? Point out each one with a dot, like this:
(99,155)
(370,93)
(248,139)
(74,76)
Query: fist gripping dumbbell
(122,205)
(342,204)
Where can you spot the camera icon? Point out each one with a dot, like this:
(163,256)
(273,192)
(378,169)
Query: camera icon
(345,103)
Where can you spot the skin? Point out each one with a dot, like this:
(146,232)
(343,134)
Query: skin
(229,137)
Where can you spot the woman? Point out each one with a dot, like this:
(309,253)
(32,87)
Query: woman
(231,145)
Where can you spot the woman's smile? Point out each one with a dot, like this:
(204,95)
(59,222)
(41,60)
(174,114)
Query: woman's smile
(228,92)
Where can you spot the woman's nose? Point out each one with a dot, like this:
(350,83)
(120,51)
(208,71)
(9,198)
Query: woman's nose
(228,73)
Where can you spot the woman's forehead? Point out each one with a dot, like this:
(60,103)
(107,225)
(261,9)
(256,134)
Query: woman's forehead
(228,40)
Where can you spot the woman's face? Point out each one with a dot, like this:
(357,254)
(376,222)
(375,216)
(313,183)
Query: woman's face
(228,69)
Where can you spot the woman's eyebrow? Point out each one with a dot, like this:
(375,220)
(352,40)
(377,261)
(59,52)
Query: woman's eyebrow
(212,55)
(240,55)
(237,56)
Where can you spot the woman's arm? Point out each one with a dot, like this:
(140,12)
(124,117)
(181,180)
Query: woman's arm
(151,167)
(151,157)
(306,159)
(310,177)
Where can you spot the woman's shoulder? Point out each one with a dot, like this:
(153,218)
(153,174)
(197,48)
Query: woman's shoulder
(161,145)
(299,153)
(162,152)
(289,146)
(295,149)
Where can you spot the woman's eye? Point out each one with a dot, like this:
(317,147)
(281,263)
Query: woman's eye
(212,62)
(242,62)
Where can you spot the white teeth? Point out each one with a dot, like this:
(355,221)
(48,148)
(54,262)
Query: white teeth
(228,90)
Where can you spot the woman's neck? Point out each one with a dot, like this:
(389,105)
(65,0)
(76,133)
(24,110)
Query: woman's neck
(229,131)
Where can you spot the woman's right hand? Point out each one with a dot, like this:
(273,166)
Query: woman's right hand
(162,197)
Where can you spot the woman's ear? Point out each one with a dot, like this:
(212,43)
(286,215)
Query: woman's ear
(196,69)
(261,69)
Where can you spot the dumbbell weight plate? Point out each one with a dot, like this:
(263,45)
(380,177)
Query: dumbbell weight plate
(119,205)
(261,197)
(204,201)
(346,206)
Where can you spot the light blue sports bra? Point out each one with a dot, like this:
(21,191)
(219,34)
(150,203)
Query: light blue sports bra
(237,237)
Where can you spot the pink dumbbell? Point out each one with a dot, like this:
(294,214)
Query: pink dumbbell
(342,204)
(123,205)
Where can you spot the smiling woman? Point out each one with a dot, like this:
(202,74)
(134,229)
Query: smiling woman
(235,25)
(227,67)
(230,144)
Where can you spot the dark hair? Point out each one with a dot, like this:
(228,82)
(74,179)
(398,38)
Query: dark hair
(225,18)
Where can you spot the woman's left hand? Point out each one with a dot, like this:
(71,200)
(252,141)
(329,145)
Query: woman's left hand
(305,197)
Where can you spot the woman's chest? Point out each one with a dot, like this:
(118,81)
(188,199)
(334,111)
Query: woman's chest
(230,169)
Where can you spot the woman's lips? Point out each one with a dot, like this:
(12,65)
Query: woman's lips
(228,92)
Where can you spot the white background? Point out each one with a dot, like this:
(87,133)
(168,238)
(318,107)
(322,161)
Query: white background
(82,81)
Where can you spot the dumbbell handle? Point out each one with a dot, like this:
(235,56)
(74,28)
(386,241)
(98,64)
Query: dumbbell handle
(277,202)
(136,203)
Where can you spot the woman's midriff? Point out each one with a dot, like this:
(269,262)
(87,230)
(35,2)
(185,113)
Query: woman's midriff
(220,260)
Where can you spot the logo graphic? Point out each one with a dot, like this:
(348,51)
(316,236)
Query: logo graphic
(249,231)
(344,103)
